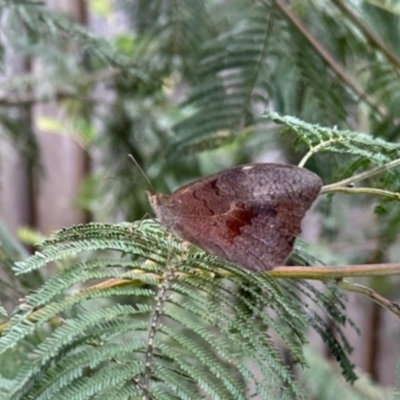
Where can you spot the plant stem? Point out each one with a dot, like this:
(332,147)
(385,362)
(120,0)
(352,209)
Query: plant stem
(363,190)
(358,177)
(316,149)
(391,306)
(338,273)
(335,272)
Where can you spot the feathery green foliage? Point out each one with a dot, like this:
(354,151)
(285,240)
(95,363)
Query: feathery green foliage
(264,60)
(321,139)
(53,31)
(210,330)
(87,332)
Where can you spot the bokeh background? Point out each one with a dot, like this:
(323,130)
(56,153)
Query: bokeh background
(181,85)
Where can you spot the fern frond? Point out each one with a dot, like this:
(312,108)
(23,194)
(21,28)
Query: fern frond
(71,241)
(53,28)
(263,61)
(55,380)
(320,140)
(233,68)
(72,336)
(213,337)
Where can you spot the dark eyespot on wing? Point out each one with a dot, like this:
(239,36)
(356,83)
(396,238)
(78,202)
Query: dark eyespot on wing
(236,219)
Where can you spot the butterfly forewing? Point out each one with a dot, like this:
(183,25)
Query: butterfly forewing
(249,215)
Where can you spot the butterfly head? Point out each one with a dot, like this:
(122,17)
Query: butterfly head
(163,208)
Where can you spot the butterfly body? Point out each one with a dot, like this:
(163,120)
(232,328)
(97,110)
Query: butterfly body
(250,214)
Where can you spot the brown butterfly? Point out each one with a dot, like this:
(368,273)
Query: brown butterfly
(250,214)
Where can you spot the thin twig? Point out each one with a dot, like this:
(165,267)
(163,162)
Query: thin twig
(315,149)
(323,273)
(369,34)
(391,306)
(333,64)
(364,190)
(358,177)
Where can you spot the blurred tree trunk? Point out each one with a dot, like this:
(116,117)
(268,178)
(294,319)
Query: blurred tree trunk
(63,161)
(16,195)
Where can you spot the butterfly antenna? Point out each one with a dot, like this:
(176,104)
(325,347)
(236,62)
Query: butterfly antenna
(141,171)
